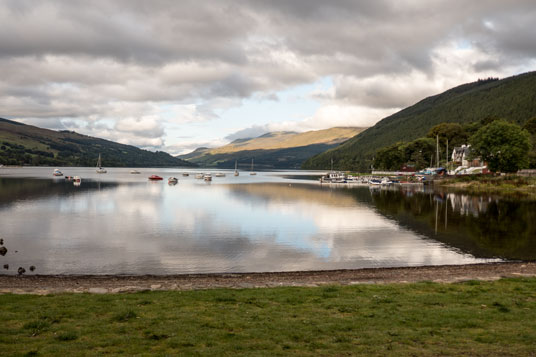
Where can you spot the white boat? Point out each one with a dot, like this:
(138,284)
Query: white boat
(135,172)
(236,168)
(185,174)
(386,181)
(57,172)
(252,172)
(100,170)
(207,177)
(219,174)
(334,177)
(173,180)
(77,179)
(199,176)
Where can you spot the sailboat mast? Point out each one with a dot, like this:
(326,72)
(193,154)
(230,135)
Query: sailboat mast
(437,150)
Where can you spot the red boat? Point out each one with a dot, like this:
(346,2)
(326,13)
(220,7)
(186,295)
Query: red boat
(155,178)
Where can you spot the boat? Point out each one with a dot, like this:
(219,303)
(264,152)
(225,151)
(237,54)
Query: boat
(219,174)
(252,172)
(135,172)
(57,172)
(155,178)
(100,170)
(374,182)
(77,179)
(173,180)
(69,178)
(386,181)
(185,174)
(207,177)
(334,177)
(199,176)
(236,168)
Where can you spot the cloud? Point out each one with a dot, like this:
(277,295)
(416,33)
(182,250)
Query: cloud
(181,63)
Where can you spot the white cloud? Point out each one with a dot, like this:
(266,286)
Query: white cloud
(175,64)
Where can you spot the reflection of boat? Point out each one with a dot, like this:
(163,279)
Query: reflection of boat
(77,183)
(252,173)
(185,174)
(236,168)
(69,178)
(135,172)
(57,172)
(173,180)
(207,177)
(220,174)
(155,178)
(100,170)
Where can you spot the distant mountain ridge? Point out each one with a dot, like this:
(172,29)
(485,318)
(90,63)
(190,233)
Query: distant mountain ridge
(22,144)
(512,98)
(274,150)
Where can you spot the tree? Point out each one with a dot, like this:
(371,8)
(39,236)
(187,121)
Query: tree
(504,146)
(530,126)
(453,132)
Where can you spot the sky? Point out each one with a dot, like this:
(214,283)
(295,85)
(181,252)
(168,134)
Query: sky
(177,75)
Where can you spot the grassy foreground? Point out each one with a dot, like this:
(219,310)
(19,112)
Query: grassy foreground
(472,318)
(509,184)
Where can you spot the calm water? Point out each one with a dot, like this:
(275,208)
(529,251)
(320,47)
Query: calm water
(118,223)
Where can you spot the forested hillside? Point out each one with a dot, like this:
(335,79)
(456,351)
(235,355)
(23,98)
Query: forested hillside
(22,144)
(513,99)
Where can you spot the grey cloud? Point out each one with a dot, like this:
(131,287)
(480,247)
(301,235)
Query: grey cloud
(251,132)
(85,59)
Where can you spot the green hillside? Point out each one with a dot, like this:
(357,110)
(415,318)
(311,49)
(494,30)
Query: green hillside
(22,144)
(513,99)
(276,150)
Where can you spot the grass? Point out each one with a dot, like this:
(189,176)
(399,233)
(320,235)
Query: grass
(472,318)
(508,184)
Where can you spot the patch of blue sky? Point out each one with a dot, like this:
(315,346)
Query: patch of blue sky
(293,104)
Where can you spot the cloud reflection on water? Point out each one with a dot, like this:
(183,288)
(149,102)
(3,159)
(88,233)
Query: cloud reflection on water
(160,229)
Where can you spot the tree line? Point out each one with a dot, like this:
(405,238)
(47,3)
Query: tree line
(504,146)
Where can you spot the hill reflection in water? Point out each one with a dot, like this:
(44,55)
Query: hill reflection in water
(154,228)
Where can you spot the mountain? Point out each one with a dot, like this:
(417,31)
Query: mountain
(22,144)
(513,99)
(275,150)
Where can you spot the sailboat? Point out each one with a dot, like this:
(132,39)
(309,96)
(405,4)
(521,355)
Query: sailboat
(252,173)
(236,168)
(100,170)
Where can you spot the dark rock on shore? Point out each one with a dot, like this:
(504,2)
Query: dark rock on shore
(6,266)
(3,251)
(21,270)
(32,267)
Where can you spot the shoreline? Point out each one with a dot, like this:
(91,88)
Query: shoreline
(102,284)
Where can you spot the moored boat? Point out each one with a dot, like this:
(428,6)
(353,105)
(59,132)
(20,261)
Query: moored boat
(155,178)
(100,170)
(236,168)
(57,172)
(185,174)
(173,180)
(135,172)
(207,177)
(220,174)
